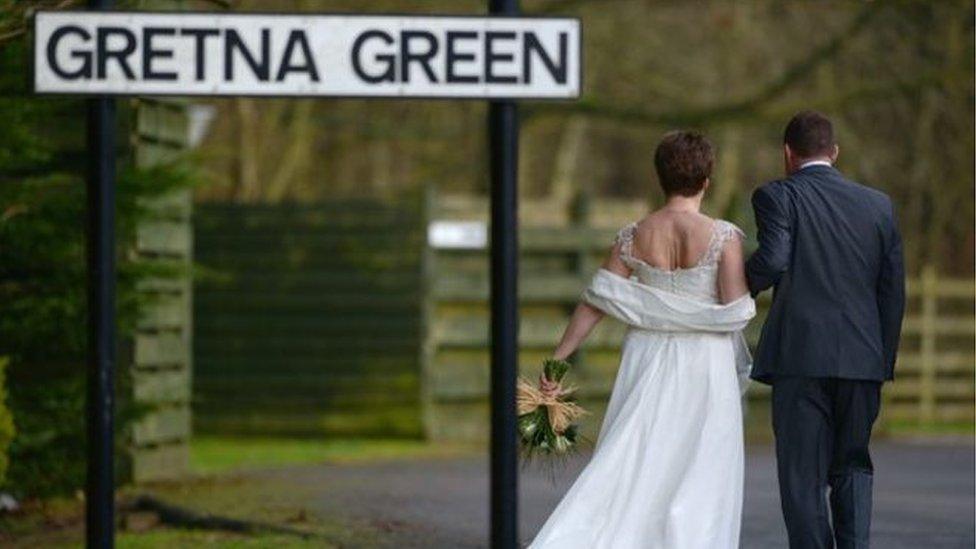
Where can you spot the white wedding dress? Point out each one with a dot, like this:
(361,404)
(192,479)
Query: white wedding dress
(667,469)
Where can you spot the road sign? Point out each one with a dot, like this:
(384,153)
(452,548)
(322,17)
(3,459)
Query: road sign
(144,53)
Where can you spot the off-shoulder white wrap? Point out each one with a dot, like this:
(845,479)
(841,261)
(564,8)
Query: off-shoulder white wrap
(644,307)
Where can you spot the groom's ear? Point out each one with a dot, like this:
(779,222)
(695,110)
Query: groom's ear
(834,154)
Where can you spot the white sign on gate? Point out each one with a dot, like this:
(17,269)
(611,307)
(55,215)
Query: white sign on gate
(459,235)
(178,53)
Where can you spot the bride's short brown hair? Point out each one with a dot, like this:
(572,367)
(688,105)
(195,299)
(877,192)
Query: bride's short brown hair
(683,161)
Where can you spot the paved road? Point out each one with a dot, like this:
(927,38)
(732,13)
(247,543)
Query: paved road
(924,497)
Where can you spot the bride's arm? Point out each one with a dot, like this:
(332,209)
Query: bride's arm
(586,316)
(731,271)
(584,319)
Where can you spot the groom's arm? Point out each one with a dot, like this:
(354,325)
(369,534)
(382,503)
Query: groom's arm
(891,296)
(766,266)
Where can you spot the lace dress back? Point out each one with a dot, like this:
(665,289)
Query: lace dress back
(699,281)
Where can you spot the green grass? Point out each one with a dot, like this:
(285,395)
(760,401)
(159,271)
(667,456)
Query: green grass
(282,500)
(170,537)
(166,538)
(217,454)
(57,520)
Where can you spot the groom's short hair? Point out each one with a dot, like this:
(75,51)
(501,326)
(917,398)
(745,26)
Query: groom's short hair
(809,134)
(683,161)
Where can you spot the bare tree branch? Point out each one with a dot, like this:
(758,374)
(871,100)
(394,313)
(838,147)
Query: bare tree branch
(738,109)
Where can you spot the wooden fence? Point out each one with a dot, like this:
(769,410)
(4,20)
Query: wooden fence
(934,375)
(339,319)
(308,320)
(935,367)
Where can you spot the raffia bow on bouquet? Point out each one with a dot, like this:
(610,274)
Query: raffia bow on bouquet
(547,413)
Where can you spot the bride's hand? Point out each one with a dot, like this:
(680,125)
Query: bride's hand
(548,388)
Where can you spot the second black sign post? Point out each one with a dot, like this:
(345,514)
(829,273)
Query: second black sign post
(503,142)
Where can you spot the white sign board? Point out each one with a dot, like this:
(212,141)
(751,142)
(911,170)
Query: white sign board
(461,235)
(266,54)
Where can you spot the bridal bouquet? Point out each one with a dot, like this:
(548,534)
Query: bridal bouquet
(547,413)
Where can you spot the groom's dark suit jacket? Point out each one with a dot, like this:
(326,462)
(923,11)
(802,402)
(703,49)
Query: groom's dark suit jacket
(831,250)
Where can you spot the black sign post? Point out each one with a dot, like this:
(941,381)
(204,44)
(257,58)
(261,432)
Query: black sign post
(501,58)
(503,128)
(100,397)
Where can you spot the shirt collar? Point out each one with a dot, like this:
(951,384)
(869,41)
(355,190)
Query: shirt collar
(814,163)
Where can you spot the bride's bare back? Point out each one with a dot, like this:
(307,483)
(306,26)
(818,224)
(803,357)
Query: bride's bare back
(670,241)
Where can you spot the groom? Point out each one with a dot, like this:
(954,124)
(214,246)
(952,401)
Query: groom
(831,251)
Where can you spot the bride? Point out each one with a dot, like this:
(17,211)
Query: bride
(668,464)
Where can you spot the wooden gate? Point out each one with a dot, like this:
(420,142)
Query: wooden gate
(307,318)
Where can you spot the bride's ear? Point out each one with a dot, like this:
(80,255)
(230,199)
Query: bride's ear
(706,184)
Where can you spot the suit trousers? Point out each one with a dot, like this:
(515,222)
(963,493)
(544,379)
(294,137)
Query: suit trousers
(822,428)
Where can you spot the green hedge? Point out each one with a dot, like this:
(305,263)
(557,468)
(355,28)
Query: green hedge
(42,275)
(6,422)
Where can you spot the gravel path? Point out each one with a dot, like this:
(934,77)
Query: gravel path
(924,497)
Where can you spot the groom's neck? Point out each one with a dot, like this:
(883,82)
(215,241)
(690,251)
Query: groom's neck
(812,161)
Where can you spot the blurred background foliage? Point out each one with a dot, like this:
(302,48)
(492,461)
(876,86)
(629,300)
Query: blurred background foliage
(896,76)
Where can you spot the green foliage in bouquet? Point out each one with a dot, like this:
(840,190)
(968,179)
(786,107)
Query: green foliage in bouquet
(546,421)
